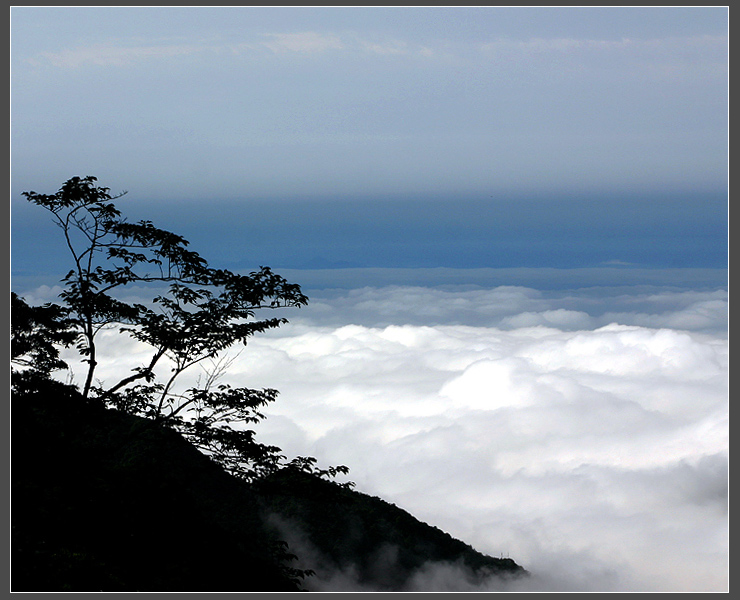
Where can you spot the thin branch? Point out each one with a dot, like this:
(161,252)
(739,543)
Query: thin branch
(182,365)
(140,375)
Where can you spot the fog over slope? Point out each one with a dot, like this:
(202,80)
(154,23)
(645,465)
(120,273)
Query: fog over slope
(584,433)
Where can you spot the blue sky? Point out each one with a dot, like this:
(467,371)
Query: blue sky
(397,137)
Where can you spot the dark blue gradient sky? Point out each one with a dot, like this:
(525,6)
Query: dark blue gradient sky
(649,231)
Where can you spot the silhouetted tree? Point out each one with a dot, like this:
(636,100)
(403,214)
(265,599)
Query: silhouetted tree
(206,310)
(203,312)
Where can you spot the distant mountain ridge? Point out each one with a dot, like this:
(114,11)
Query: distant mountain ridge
(105,501)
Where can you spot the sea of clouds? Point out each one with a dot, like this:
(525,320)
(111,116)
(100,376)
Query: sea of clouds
(582,432)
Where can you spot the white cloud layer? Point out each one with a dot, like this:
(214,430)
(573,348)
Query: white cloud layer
(587,441)
(517,306)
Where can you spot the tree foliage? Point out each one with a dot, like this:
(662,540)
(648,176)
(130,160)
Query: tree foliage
(203,312)
(36,333)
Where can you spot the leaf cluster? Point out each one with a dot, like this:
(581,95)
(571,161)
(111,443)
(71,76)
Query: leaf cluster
(36,333)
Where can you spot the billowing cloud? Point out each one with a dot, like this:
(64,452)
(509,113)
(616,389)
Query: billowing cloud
(593,454)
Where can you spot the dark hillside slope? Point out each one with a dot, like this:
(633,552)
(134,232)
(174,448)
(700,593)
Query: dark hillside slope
(373,544)
(104,501)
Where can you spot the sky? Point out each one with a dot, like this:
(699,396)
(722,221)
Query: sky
(196,103)
(386,137)
(512,226)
